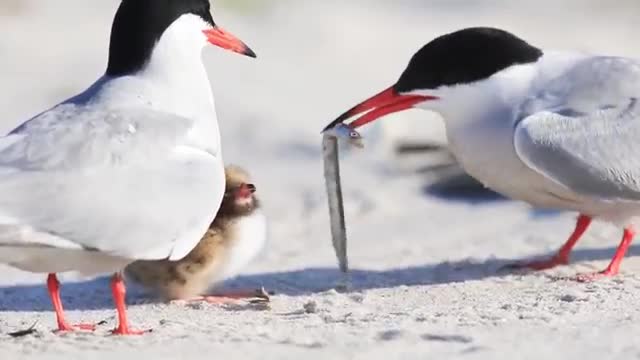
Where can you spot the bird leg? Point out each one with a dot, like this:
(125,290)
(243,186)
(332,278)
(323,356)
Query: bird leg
(562,256)
(119,291)
(614,266)
(53,286)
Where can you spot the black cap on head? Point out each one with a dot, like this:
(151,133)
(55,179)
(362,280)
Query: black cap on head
(465,56)
(139,24)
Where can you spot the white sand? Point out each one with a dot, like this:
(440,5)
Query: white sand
(425,279)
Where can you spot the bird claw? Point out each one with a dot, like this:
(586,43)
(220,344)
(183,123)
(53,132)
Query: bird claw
(225,298)
(590,277)
(219,300)
(257,296)
(87,327)
(126,331)
(538,265)
(64,327)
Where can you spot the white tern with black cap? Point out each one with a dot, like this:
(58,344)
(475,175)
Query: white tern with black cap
(557,129)
(130,169)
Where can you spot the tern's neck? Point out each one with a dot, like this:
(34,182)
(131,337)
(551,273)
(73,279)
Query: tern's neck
(173,80)
(169,76)
(462,104)
(503,92)
(176,65)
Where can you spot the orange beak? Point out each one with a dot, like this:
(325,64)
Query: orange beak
(219,37)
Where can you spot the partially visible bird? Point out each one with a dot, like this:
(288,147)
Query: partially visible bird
(235,237)
(129,169)
(557,129)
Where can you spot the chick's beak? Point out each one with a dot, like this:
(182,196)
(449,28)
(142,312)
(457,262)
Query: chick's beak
(220,37)
(246,190)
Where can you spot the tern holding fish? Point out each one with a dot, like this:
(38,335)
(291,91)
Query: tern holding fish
(554,129)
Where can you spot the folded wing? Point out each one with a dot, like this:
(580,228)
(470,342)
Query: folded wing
(125,182)
(583,130)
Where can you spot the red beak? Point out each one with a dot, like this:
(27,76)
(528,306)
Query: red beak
(385,103)
(219,37)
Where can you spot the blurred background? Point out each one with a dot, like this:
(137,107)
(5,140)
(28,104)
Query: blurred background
(407,202)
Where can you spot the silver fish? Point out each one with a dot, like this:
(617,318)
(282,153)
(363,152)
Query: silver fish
(334,186)
(334,193)
(346,132)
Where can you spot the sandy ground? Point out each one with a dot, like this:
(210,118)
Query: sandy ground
(425,255)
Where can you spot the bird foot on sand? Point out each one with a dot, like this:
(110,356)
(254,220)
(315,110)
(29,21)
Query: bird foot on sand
(125,330)
(537,265)
(64,327)
(229,297)
(590,277)
(129,332)
(253,296)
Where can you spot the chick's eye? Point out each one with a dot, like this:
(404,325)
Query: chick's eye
(354,134)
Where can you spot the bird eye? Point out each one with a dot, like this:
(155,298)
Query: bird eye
(354,134)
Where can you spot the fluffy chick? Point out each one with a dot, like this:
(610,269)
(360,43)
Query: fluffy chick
(235,237)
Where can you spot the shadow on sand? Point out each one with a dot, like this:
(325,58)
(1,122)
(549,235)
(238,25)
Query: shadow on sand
(96,294)
(462,188)
(465,189)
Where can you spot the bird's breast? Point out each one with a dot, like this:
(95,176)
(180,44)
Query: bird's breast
(248,238)
(191,100)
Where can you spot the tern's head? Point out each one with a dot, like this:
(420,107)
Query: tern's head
(186,26)
(239,197)
(444,65)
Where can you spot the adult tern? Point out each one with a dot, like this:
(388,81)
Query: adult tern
(131,168)
(556,129)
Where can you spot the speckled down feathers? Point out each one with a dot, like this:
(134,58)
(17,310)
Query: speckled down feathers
(205,265)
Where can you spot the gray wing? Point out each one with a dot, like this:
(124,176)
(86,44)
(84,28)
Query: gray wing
(583,130)
(124,182)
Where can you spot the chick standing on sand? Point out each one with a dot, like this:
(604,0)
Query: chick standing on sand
(235,237)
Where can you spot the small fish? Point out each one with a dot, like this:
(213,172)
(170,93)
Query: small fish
(334,195)
(346,132)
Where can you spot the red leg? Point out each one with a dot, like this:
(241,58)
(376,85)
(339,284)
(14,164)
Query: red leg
(562,256)
(614,266)
(119,290)
(53,285)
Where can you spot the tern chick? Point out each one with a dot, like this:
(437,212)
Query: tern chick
(235,237)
